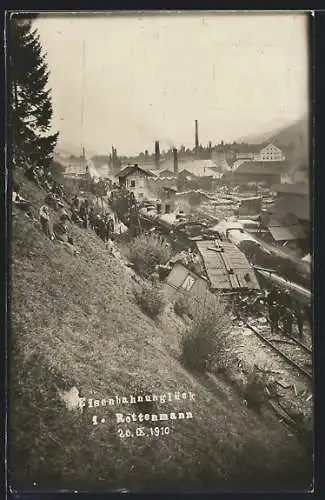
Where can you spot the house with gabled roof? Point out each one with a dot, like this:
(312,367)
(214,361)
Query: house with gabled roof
(271,153)
(136,179)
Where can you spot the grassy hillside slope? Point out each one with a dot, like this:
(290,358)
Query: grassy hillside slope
(75,323)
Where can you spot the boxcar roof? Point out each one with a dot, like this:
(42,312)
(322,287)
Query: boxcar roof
(227,267)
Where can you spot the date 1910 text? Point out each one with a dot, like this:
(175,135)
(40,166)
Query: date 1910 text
(143,432)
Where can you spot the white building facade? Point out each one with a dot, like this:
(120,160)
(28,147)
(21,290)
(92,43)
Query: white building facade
(271,153)
(137,182)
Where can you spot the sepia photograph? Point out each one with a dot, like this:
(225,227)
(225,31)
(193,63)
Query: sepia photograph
(161,312)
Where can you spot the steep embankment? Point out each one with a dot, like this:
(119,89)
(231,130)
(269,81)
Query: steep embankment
(75,323)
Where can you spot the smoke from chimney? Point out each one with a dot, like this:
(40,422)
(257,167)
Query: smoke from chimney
(175,158)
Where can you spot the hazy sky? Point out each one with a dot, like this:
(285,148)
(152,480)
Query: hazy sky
(149,77)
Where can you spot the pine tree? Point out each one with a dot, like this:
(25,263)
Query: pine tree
(31,100)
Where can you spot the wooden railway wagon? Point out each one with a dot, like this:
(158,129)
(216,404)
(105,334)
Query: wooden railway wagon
(226,267)
(260,253)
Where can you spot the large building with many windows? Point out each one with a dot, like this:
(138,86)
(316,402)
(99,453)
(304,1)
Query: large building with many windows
(271,153)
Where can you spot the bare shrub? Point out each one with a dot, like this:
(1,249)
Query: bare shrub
(254,391)
(181,306)
(146,252)
(204,345)
(150,298)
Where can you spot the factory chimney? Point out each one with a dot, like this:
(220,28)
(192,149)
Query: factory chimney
(157,154)
(175,158)
(196,137)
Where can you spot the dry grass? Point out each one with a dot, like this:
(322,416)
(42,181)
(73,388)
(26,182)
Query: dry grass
(75,323)
(181,305)
(205,344)
(254,391)
(150,298)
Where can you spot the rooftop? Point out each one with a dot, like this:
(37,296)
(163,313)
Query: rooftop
(166,173)
(130,169)
(262,167)
(285,227)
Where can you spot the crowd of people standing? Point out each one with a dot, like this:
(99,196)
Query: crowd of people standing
(61,210)
(85,214)
(285,314)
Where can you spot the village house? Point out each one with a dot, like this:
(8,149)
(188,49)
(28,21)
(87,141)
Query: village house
(136,179)
(74,165)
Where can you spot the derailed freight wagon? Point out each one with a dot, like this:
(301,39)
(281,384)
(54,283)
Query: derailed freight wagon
(219,268)
(226,267)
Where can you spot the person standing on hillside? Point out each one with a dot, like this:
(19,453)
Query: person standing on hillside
(83,212)
(75,202)
(111,225)
(61,229)
(44,217)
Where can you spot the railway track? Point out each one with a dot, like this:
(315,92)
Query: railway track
(297,354)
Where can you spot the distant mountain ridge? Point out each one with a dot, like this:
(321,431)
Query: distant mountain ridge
(292,139)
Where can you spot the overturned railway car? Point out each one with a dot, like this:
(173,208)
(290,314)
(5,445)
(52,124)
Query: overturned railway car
(267,256)
(226,267)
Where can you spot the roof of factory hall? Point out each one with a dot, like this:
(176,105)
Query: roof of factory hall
(166,173)
(261,167)
(226,266)
(130,169)
(284,228)
(194,167)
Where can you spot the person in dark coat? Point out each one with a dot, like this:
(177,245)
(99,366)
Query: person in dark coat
(300,317)
(83,212)
(75,202)
(287,317)
(100,227)
(286,312)
(111,225)
(32,173)
(309,314)
(76,219)
(92,218)
(272,301)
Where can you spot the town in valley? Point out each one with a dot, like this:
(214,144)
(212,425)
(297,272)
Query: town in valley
(184,269)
